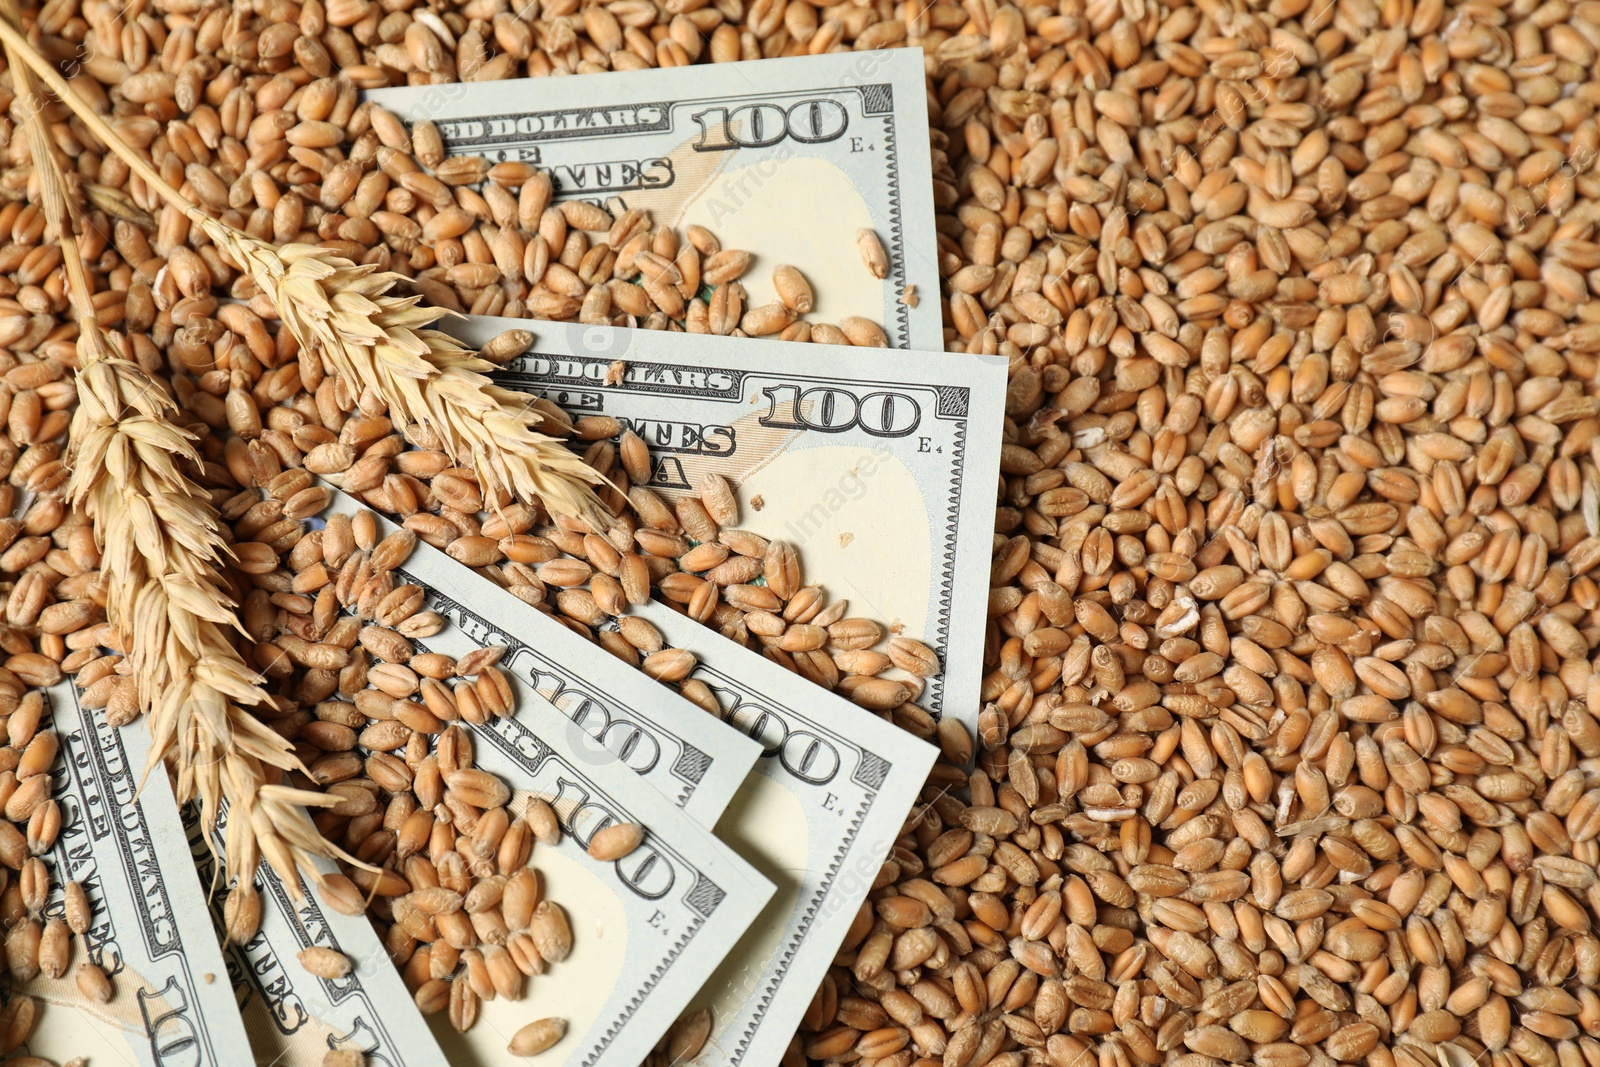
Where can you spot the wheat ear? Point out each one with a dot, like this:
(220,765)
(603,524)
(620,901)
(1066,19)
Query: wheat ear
(345,313)
(163,551)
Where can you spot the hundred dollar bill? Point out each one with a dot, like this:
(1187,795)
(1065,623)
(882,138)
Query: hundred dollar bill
(648,929)
(785,158)
(612,713)
(171,1000)
(294,1017)
(881,471)
(820,815)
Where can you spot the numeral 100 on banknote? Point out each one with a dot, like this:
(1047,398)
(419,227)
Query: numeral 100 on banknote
(823,408)
(764,125)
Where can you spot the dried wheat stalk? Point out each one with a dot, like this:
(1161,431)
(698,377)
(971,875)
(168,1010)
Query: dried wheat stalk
(163,550)
(344,312)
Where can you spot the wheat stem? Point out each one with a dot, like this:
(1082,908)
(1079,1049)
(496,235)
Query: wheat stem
(52,193)
(22,53)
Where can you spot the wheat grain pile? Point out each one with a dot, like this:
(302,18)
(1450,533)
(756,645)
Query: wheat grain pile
(1287,751)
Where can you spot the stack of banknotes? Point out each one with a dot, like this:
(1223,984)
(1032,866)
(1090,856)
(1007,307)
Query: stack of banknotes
(765,826)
